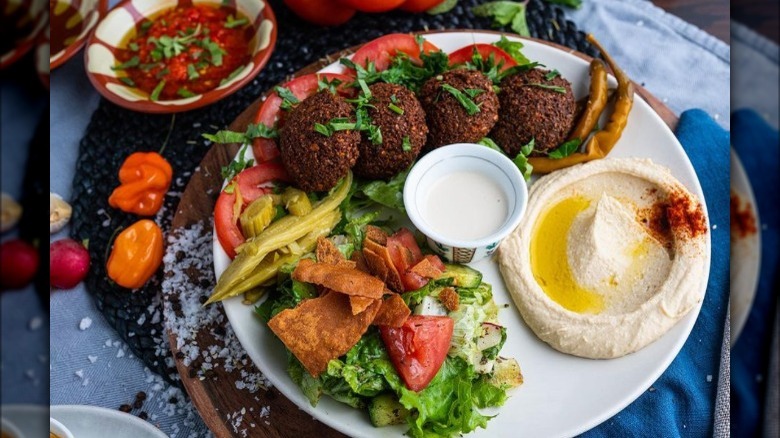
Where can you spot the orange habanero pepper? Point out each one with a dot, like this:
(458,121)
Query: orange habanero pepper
(145,178)
(137,253)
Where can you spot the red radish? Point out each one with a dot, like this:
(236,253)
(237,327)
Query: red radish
(69,262)
(18,264)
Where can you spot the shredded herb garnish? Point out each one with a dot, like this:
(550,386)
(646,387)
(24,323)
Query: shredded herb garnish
(133,47)
(555,88)
(395,108)
(512,48)
(252,132)
(232,75)
(127,81)
(132,62)
(185,93)
(288,98)
(192,72)
(468,104)
(552,75)
(324,84)
(473,92)
(157,90)
(565,149)
(406,144)
(235,167)
(233,22)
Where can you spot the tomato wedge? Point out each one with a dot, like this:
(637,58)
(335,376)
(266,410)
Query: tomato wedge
(405,254)
(464,55)
(382,50)
(265,149)
(418,348)
(251,183)
(322,12)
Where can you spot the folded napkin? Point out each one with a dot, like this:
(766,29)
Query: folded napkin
(757,145)
(682,401)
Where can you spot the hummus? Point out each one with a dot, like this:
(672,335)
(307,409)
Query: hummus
(609,256)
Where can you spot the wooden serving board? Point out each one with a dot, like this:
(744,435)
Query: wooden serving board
(216,396)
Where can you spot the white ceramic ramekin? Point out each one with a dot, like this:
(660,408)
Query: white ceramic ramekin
(9,429)
(465,157)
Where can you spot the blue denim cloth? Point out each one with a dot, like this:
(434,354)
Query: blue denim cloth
(682,400)
(757,145)
(678,53)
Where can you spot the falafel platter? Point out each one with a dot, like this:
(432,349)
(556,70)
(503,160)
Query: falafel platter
(368,322)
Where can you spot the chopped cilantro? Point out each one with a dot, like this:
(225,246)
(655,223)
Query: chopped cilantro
(512,48)
(395,108)
(324,84)
(473,92)
(133,47)
(127,81)
(160,74)
(236,166)
(406,144)
(252,132)
(555,88)
(185,93)
(552,75)
(192,72)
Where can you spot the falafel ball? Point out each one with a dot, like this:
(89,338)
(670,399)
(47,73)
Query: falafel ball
(448,120)
(400,118)
(530,111)
(317,162)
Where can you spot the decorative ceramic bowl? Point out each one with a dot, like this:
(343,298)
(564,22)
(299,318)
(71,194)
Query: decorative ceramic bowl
(21,21)
(503,175)
(73,20)
(110,36)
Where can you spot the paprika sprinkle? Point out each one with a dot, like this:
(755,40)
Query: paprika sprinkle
(136,255)
(743,221)
(145,178)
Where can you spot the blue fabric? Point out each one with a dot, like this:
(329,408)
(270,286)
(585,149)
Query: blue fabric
(757,145)
(682,401)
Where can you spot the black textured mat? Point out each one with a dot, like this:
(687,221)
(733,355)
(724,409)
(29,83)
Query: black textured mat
(114,133)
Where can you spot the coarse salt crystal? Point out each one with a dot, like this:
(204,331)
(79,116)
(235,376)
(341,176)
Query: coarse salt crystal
(35,323)
(85,323)
(80,374)
(709,377)
(92,359)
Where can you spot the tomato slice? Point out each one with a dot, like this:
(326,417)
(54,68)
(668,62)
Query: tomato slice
(417,6)
(252,183)
(435,261)
(418,348)
(405,254)
(382,50)
(265,149)
(464,55)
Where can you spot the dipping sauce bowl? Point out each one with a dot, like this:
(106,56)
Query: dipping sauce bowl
(465,198)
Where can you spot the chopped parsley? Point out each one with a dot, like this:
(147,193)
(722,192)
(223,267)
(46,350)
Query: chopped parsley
(465,101)
(127,81)
(473,92)
(555,88)
(192,72)
(324,84)
(395,108)
(157,90)
(132,62)
(133,47)
(288,98)
(252,132)
(521,159)
(552,75)
(236,166)
(185,93)
(232,75)
(406,144)
(565,149)
(512,48)
(233,22)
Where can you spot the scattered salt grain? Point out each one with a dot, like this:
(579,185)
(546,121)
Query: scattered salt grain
(640,23)
(108,343)
(85,323)
(709,377)
(715,227)
(85,382)
(35,323)
(80,374)
(92,359)
(120,353)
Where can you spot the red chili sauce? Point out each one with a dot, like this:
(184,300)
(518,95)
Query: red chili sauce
(186,51)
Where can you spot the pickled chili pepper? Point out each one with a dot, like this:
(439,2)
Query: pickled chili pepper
(597,101)
(144,180)
(136,255)
(604,140)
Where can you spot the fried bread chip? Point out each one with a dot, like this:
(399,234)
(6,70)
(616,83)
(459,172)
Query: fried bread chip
(360,261)
(359,304)
(426,269)
(393,312)
(375,234)
(449,298)
(346,280)
(327,252)
(381,264)
(321,329)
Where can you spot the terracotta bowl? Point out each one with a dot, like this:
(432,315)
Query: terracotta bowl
(111,32)
(77,18)
(25,20)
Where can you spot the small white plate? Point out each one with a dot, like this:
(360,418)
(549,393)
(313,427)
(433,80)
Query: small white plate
(95,422)
(31,420)
(745,254)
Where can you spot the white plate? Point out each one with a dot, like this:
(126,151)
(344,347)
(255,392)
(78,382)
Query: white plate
(745,254)
(95,422)
(31,420)
(562,395)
